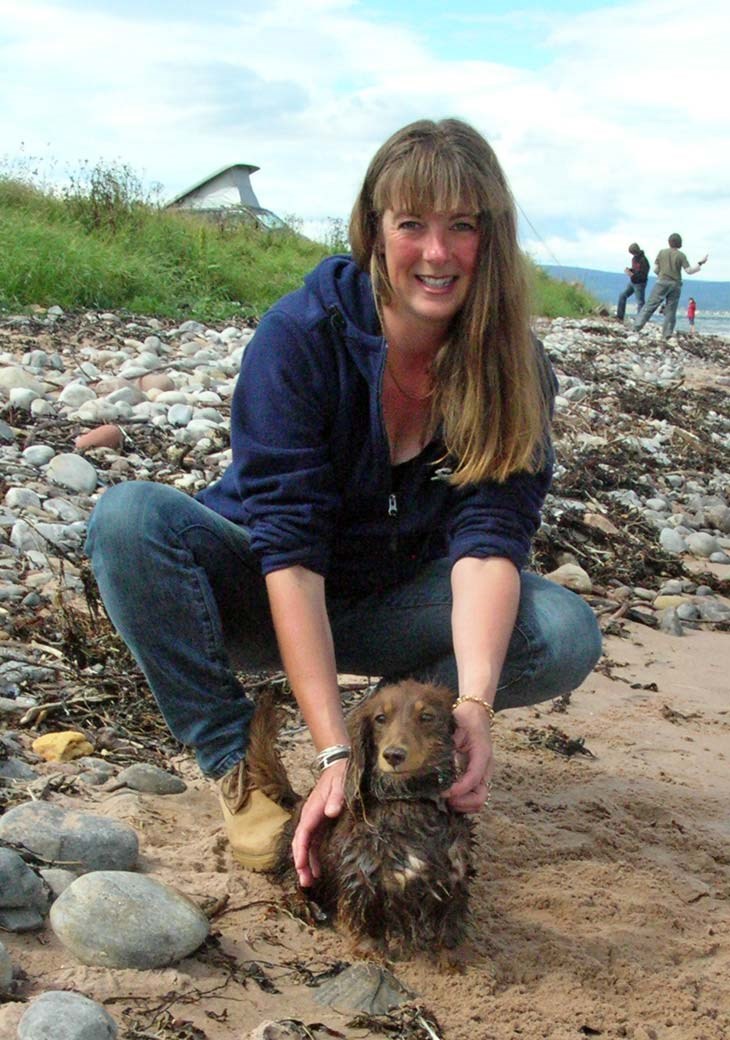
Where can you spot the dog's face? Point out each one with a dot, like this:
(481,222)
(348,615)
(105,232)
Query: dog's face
(409,724)
(402,733)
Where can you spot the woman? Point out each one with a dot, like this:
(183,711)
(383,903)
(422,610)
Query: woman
(390,458)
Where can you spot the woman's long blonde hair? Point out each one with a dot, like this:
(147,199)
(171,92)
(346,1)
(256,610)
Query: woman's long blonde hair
(490,384)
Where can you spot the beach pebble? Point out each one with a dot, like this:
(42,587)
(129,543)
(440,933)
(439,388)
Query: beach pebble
(38,455)
(73,472)
(13,377)
(60,1015)
(7,434)
(364,987)
(74,395)
(672,541)
(571,576)
(119,919)
(6,970)
(62,746)
(701,544)
(670,623)
(23,896)
(57,879)
(144,776)
(107,436)
(82,839)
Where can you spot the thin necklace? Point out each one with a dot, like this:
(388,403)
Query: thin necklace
(411,397)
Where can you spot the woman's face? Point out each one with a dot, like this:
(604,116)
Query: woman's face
(431,259)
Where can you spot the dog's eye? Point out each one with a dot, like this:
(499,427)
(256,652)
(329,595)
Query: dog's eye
(379,719)
(427,716)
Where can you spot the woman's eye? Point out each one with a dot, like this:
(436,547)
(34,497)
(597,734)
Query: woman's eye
(465,225)
(408,225)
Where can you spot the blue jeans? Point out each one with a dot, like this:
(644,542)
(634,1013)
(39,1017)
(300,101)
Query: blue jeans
(640,289)
(185,592)
(667,292)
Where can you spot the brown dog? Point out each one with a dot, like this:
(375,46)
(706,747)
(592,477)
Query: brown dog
(397,861)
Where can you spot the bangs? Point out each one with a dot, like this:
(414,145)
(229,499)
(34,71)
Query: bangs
(427,180)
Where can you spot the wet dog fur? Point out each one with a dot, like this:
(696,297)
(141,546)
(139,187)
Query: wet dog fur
(396,863)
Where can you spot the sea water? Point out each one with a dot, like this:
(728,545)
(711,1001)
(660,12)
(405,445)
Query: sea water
(707,323)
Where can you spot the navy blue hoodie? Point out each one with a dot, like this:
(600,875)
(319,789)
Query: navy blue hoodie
(311,475)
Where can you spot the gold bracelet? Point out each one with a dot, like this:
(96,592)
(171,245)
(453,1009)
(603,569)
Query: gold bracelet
(477,700)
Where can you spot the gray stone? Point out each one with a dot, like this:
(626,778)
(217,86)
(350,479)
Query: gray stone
(713,609)
(64,510)
(14,376)
(126,395)
(73,472)
(363,987)
(7,434)
(670,623)
(702,544)
(21,397)
(67,837)
(119,919)
(15,768)
(672,541)
(571,576)
(57,879)
(38,455)
(74,395)
(19,885)
(6,970)
(22,498)
(60,1015)
(179,414)
(144,776)
(23,896)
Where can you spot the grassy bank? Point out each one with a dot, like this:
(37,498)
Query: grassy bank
(103,245)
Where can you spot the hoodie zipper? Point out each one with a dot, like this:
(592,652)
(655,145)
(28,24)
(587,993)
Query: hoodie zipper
(393,514)
(338,324)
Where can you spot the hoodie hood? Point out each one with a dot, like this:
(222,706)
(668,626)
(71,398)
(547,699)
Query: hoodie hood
(338,285)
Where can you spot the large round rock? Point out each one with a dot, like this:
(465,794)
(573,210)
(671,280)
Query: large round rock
(58,1015)
(79,841)
(118,919)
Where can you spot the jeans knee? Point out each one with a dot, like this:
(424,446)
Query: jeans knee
(571,645)
(124,520)
(580,643)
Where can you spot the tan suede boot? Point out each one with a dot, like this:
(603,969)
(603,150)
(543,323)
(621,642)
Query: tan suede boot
(253,821)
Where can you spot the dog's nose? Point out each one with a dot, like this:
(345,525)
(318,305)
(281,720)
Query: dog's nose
(395,756)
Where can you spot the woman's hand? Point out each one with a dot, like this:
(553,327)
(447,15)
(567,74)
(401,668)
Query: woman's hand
(325,802)
(473,738)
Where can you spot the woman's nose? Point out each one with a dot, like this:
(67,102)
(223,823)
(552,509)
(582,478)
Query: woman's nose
(435,248)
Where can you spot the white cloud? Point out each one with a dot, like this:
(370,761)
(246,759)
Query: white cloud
(619,133)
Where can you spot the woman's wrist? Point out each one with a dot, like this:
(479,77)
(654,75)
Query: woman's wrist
(329,755)
(483,703)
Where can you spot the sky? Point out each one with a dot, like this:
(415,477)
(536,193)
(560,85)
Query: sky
(611,120)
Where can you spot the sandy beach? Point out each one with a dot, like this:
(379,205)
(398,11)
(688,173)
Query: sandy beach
(599,907)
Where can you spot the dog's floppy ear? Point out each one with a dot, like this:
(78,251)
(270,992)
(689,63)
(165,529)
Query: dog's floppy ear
(358,725)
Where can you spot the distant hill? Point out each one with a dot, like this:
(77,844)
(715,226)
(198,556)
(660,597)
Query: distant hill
(606,286)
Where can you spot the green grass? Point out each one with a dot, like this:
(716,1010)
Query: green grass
(101,244)
(555,299)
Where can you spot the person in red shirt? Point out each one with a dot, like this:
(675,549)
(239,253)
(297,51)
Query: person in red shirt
(691,311)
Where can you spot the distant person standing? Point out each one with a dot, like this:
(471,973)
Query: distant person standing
(668,266)
(691,311)
(638,274)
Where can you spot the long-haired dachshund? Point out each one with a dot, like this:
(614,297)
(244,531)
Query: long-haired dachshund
(396,862)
